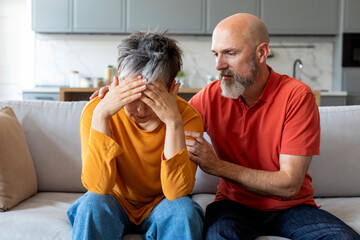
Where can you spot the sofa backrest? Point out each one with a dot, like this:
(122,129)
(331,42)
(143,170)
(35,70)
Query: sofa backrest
(52,133)
(336,171)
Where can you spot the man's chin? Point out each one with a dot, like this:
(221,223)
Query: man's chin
(231,92)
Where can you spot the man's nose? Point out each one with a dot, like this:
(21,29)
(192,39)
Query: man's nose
(221,63)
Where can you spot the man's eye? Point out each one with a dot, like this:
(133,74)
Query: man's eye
(215,54)
(230,53)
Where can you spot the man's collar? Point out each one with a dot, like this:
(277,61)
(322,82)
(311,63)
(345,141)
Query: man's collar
(271,84)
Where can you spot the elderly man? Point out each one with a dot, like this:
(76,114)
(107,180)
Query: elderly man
(264,128)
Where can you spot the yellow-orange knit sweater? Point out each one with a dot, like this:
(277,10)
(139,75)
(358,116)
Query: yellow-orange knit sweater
(130,164)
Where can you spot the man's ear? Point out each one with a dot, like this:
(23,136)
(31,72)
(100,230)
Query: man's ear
(262,52)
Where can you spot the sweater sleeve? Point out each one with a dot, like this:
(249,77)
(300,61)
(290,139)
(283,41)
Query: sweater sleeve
(178,172)
(98,154)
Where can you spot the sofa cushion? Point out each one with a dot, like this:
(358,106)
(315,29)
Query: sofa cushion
(335,171)
(17,172)
(42,216)
(345,208)
(52,131)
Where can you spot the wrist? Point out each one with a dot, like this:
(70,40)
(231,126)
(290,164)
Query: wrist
(174,124)
(219,168)
(101,114)
(174,121)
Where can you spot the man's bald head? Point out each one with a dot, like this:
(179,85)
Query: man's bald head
(245,26)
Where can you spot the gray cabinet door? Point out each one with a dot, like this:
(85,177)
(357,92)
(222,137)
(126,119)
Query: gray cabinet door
(185,16)
(217,10)
(52,15)
(352,16)
(301,17)
(99,16)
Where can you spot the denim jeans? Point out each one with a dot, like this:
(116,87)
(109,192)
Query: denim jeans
(96,216)
(230,220)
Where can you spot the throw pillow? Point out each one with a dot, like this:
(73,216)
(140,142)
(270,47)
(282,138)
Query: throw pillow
(17,173)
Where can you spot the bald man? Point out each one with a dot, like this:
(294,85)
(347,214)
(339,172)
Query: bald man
(264,128)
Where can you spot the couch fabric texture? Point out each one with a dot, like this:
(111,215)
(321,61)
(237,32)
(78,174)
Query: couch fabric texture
(51,129)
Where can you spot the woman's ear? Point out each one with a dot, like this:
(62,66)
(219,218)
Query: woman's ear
(172,85)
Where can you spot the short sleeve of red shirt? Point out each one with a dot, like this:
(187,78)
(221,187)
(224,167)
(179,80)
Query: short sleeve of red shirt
(301,134)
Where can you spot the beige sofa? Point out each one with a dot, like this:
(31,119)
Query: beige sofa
(52,134)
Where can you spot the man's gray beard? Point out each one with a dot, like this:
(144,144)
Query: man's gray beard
(236,87)
(233,89)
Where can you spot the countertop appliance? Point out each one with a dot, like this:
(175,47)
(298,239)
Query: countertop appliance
(351,50)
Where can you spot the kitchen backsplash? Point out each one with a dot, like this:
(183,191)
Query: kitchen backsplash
(56,55)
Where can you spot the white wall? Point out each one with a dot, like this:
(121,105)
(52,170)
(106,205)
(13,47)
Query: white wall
(16,48)
(57,55)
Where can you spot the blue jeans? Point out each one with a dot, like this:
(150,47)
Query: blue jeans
(230,220)
(96,216)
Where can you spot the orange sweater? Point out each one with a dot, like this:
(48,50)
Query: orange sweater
(130,164)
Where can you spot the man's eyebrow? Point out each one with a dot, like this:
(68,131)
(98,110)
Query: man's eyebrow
(227,50)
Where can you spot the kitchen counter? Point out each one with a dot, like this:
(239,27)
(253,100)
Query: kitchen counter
(333,98)
(333,93)
(79,94)
(43,89)
(325,98)
(41,93)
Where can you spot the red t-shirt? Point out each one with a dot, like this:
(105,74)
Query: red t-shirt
(284,120)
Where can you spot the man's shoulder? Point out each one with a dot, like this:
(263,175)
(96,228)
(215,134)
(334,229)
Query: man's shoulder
(293,86)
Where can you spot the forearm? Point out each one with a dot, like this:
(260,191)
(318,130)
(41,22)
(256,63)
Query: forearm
(99,179)
(274,183)
(174,138)
(177,171)
(100,122)
(178,175)
(99,153)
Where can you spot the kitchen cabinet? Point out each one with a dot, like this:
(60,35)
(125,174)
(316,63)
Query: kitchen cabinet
(352,16)
(217,10)
(81,94)
(186,16)
(99,16)
(52,15)
(301,17)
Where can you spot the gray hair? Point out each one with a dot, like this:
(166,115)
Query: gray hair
(150,54)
